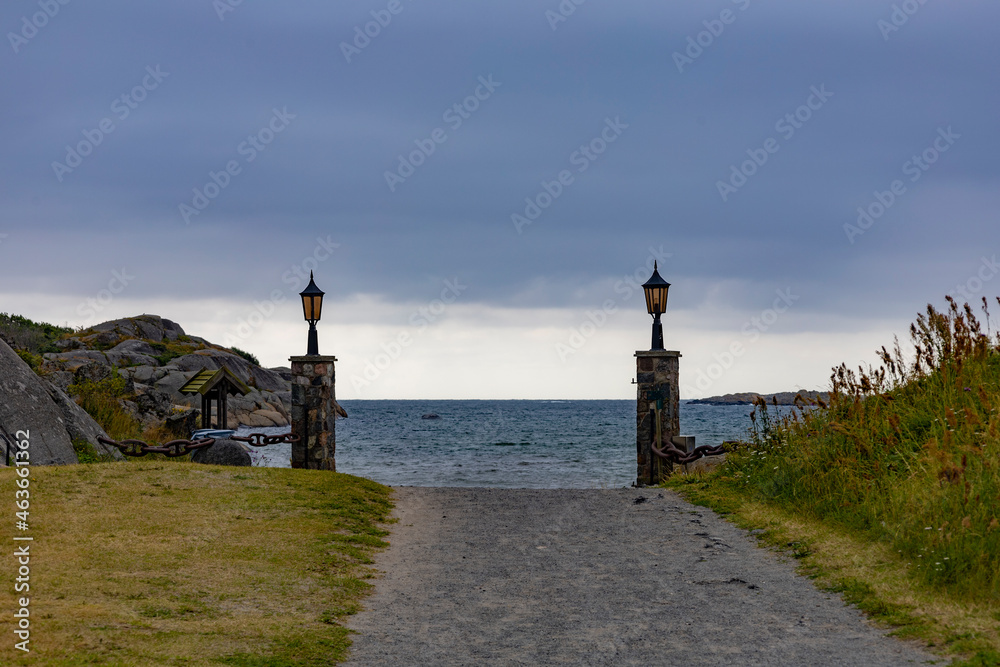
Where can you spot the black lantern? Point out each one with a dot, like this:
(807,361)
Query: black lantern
(312,306)
(656,304)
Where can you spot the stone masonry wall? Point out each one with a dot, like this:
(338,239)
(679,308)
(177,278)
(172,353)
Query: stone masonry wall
(313,413)
(657,372)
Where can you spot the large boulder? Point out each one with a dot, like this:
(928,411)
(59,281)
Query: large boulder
(223,453)
(28,403)
(150,327)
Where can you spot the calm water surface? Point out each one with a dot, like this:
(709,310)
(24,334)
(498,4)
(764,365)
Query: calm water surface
(505,444)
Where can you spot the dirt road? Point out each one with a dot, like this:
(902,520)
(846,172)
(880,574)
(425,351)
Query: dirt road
(591,577)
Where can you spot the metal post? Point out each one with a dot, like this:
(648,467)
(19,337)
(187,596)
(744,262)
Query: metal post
(657,333)
(313,347)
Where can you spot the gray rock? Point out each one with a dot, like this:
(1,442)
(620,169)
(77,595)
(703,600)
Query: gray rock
(284,371)
(257,377)
(132,353)
(152,327)
(156,402)
(93,371)
(80,357)
(25,405)
(143,374)
(183,424)
(133,346)
(171,383)
(61,379)
(223,453)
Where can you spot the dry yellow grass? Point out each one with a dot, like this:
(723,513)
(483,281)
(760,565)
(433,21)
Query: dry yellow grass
(171,563)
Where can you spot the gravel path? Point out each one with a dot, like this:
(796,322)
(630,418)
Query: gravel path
(590,577)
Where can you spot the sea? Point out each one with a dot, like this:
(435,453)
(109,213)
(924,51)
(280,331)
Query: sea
(535,444)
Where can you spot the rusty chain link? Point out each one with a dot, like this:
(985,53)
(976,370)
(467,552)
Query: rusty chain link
(675,455)
(261,440)
(172,448)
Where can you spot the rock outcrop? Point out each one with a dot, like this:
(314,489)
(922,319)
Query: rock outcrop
(223,453)
(51,419)
(746,398)
(157,358)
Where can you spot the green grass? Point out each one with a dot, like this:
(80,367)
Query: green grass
(171,563)
(906,456)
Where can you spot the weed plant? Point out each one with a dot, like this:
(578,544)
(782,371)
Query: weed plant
(906,453)
(103,401)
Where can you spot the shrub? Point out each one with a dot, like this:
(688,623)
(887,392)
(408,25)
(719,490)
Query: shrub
(33,360)
(246,355)
(36,337)
(103,401)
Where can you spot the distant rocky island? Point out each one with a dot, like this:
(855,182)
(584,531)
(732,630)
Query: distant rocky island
(746,398)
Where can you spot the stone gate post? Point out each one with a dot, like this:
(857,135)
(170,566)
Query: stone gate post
(313,413)
(657,380)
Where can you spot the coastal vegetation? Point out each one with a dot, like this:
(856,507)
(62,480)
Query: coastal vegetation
(35,338)
(170,563)
(889,491)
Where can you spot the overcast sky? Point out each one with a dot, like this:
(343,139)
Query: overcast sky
(481,187)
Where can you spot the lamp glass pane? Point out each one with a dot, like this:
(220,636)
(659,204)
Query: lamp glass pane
(317,306)
(308,308)
(661,299)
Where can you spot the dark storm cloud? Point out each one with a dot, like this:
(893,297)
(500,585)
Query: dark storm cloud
(555,91)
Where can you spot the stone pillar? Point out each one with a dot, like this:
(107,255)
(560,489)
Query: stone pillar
(313,413)
(657,377)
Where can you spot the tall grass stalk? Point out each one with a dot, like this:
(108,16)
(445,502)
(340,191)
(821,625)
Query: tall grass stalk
(907,453)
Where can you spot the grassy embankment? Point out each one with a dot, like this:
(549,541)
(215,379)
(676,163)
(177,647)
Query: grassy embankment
(891,493)
(172,563)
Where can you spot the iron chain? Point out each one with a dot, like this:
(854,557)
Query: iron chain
(261,440)
(172,448)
